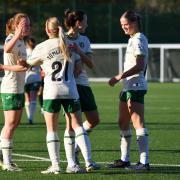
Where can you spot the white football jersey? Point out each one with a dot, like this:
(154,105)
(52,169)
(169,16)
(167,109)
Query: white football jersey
(137,45)
(59,82)
(84,43)
(13,82)
(33,74)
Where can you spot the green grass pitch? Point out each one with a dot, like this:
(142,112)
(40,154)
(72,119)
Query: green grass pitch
(162,114)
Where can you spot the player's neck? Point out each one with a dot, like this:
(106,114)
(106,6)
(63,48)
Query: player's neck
(52,37)
(73,34)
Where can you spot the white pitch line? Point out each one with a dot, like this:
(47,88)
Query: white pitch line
(36,158)
(32,157)
(166,165)
(30,160)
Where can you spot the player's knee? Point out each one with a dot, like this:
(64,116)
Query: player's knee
(97,121)
(123,124)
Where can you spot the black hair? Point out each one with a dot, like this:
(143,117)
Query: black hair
(132,16)
(30,41)
(71,16)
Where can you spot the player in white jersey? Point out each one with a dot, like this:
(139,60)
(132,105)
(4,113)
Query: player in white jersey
(32,83)
(131,106)
(76,23)
(59,89)
(12,86)
(8,31)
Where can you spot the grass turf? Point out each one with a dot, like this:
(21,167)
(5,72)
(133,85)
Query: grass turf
(162,114)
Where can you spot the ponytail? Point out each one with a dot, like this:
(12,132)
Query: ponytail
(9,26)
(63,44)
(53,25)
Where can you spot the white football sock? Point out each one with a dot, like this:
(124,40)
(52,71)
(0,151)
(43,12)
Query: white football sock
(87,129)
(32,109)
(7,146)
(84,144)
(142,139)
(27,107)
(69,141)
(53,146)
(125,145)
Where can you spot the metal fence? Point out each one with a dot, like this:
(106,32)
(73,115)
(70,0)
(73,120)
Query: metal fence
(163,65)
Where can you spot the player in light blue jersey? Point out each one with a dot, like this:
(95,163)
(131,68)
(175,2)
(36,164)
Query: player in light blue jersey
(131,106)
(76,22)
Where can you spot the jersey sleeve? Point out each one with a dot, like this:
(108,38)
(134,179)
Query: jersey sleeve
(88,49)
(15,48)
(36,58)
(8,39)
(139,47)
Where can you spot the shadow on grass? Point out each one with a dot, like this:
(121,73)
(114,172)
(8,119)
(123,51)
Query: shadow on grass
(135,150)
(154,170)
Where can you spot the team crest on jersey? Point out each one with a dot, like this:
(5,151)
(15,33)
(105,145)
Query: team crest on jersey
(140,47)
(81,44)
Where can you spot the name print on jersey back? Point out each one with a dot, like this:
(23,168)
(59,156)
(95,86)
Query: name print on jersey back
(53,53)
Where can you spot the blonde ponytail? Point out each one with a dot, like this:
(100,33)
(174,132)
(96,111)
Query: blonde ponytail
(53,25)
(63,44)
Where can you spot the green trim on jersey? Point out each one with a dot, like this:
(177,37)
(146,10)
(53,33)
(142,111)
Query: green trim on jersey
(86,97)
(32,87)
(135,96)
(54,105)
(12,101)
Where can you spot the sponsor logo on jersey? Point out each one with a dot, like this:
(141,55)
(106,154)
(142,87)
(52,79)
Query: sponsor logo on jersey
(8,97)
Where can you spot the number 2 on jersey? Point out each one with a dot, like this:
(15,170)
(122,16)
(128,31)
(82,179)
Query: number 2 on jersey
(57,66)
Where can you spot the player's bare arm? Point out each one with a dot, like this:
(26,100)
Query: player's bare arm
(18,33)
(134,70)
(85,58)
(77,68)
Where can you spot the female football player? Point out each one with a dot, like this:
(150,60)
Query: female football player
(131,105)
(32,83)
(12,86)
(59,89)
(76,22)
